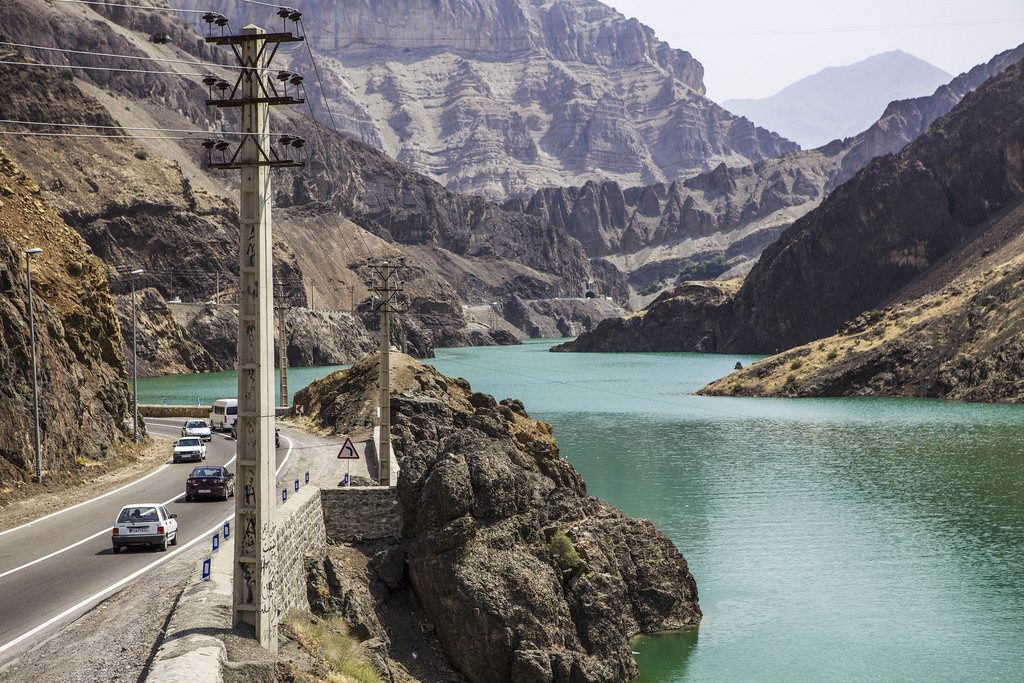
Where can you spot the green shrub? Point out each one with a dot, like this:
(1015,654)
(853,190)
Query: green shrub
(832,354)
(141,154)
(796,365)
(790,378)
(875,315)
(563,551)
(67,74)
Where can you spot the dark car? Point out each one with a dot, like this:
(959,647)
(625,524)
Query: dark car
(277,435)
(209,481)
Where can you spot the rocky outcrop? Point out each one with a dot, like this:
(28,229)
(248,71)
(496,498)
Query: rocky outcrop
(500,97)
(162,344)
(83,397)
(905,221)
(891,223)
(656,232)
(962,342)
(522,576)
(546,318)
(691,317)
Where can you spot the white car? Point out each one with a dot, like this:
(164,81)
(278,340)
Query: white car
(189,448)
(144,524)
(197,428)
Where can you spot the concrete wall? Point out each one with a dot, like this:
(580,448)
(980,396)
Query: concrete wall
(360,513)
(300,533)
(151,410)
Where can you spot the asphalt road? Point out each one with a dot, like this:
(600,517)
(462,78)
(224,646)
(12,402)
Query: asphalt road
(54,569)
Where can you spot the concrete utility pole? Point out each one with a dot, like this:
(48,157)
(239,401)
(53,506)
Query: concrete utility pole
(255,565)
(29,253)
(282,347)
(387,290)
(135,358)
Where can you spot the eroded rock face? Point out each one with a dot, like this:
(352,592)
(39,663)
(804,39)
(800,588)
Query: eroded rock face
(498,97)
(523,576)
(653,232)
(694,316)
(83,397)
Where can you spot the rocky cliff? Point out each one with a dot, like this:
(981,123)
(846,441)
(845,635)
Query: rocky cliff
(153,203)
(961,342)
(83,398)
(660,233)
(905,220)
(498,97)
(521,575)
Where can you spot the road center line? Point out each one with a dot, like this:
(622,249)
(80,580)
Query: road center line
(114,586)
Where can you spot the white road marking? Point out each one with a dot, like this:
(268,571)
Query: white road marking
(86,502)
(91,500)
(114,586)
(89,538)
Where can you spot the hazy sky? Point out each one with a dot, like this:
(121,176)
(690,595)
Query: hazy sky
(754,48)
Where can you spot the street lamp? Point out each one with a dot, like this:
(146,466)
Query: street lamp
(135,359)
(29,253)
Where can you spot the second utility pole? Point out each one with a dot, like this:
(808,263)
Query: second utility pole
(387,290)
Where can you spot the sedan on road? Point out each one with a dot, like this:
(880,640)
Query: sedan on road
(189,448)
(209,482)
(144,524)
(197,428)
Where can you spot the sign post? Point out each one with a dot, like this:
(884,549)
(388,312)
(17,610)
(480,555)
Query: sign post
(348,453)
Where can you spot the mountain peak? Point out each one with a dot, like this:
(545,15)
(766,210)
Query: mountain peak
(840,101)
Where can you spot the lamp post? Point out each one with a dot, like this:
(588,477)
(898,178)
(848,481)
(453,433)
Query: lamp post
(29,253)
(135,359)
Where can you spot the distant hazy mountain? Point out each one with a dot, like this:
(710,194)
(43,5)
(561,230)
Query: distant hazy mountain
(841,101)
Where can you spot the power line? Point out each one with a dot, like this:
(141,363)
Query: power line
(101,68)
(853,29)
(120,56)
(149,7)
(193,131)
(33,133)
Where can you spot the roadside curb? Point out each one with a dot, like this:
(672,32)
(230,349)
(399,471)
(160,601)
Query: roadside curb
(191,651)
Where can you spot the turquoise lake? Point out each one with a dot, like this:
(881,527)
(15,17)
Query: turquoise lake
(831,539)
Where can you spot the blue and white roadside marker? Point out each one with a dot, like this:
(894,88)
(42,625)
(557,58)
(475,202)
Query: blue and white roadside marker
(296,485)
(227,530)
(206,569)
(284,495)
(216,543)
(307,477)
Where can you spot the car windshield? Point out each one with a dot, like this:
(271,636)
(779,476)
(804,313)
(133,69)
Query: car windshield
(195,424)
(191,441)
(206,472)
(139,513)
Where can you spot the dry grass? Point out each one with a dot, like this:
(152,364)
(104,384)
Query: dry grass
(338,657)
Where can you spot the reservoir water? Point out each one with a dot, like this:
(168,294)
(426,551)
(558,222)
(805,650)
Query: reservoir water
(831,539)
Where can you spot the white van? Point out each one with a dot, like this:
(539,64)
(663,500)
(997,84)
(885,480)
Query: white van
(223,413)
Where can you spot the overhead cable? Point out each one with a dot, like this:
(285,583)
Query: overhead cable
(193,131)
(100,68)
(103,3)
(140,57)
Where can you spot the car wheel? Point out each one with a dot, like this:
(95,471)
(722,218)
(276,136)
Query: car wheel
(175,460)
(232,491)
(225,497)
(188,498)
(174,541)
(117,549)
(163,545)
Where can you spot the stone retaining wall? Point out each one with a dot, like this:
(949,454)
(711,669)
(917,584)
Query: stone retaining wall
(300,533)
(353,514)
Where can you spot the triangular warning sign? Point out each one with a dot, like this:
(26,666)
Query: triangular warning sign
(348,451)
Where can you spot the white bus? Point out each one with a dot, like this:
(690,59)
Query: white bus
(223,413)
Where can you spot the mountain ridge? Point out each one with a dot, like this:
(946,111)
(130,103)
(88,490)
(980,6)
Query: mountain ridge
(840,101)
